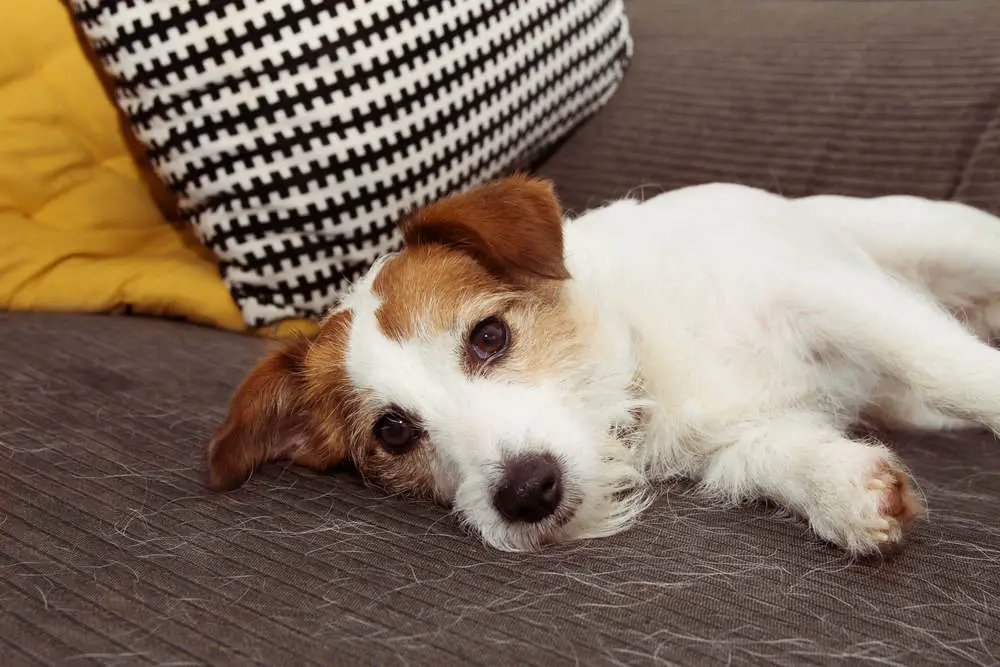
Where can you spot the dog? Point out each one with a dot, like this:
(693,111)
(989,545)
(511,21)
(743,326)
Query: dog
(538,374)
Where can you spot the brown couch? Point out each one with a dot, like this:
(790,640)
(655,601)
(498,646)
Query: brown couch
(112,552)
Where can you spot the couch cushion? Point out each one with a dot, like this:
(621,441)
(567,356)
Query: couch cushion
(799,96)
(83,220)
(113,552)
(297,132)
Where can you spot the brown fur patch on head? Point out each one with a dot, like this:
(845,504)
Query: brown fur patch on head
(424,288)
(547,340)
(290,406)
(485,243)
(409,474)
(298,404)
(428,290)
(512,226)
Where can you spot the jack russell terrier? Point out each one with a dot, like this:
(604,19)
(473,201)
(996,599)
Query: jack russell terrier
(537,374)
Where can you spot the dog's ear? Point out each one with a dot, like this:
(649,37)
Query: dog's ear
(268,419)
(513,226)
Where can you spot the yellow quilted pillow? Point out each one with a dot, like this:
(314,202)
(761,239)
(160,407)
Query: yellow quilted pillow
(82,220)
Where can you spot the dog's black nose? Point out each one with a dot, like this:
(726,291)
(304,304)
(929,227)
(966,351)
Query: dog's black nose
(530,489)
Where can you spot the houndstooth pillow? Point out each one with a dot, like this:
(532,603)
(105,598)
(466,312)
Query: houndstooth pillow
(297,132)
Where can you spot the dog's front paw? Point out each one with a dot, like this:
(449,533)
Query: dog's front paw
(867,514)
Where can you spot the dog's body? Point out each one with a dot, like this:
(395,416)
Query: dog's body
(535,374)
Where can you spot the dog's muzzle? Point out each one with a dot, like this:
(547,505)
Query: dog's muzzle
(530,489)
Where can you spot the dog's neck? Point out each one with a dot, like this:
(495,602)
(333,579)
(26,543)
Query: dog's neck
(628,335)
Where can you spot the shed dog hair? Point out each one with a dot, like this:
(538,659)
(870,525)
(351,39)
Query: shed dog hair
(536,373)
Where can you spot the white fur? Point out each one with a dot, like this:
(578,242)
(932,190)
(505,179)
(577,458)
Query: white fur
(760,329)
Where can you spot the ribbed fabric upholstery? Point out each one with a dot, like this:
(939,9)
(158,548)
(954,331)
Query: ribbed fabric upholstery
(800,96)
(113,553)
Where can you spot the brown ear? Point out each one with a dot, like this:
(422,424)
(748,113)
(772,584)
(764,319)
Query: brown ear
(513,226)
(267,419)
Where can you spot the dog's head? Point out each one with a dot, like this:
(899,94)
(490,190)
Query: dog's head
(462,370)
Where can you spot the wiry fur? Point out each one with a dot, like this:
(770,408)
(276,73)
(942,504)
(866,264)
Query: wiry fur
(717,332)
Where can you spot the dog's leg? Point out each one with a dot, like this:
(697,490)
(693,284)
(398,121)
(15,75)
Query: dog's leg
(897,406)
(948,248)
(854,494)
(895,331)
(898,332)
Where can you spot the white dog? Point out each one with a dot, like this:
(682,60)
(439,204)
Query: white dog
(535,374)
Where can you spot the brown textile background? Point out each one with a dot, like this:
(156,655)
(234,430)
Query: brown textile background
(861,98)
(113,553)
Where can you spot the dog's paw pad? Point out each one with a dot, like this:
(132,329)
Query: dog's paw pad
(896,500)
(867,512)
(894,503)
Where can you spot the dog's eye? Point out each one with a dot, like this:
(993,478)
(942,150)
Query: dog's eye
(395,433)
(489,338)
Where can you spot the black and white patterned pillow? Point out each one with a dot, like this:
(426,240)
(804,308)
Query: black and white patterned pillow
(297,132)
